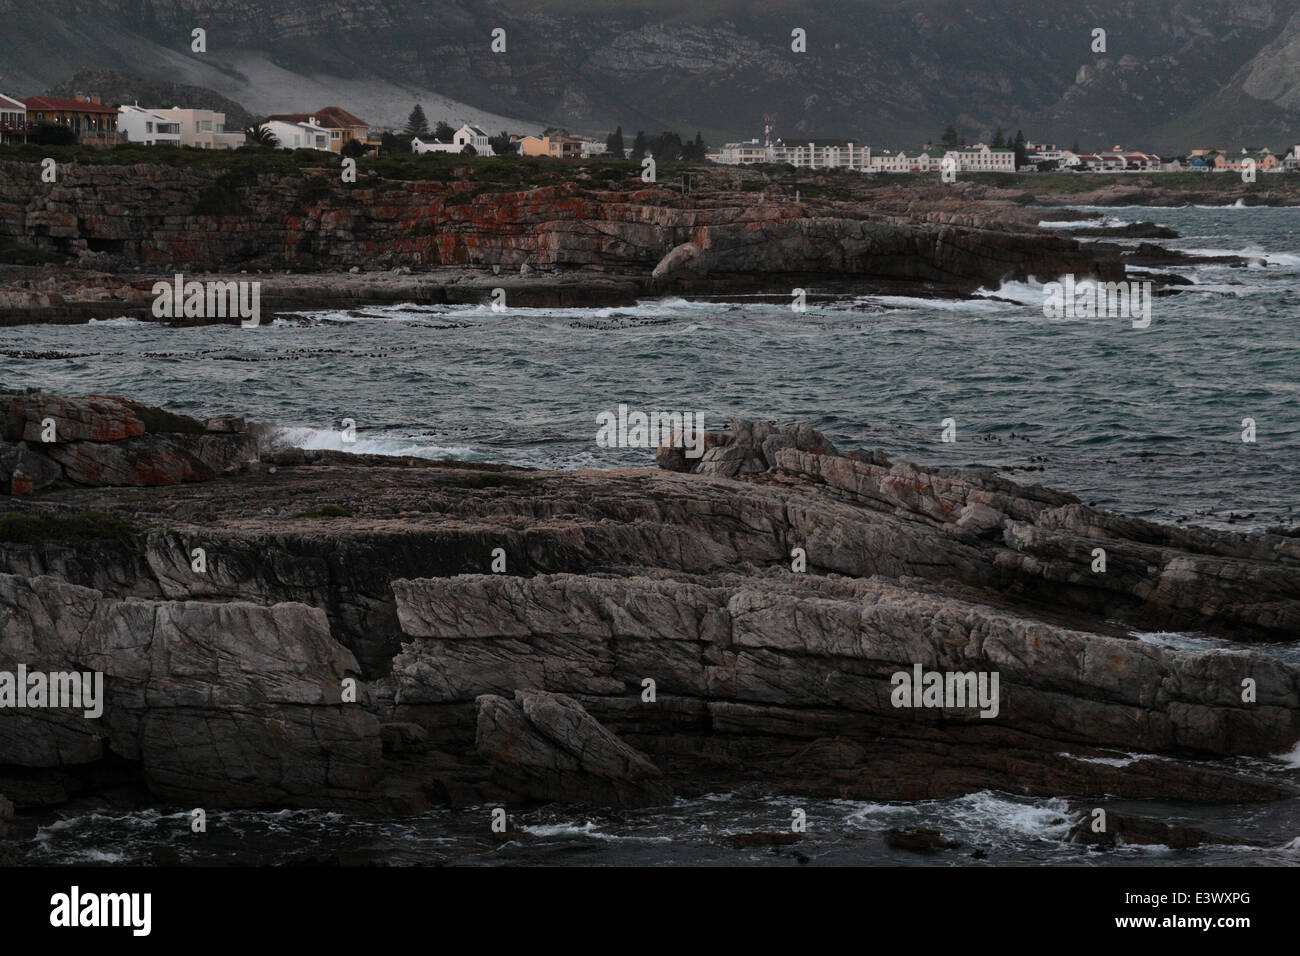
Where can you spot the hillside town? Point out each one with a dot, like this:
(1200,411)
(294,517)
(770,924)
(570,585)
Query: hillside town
(85,120)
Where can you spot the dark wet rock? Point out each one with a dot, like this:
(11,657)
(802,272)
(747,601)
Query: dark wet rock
(1122,829)
(919,840)
(757,838)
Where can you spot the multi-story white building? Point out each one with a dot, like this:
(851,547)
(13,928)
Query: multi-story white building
(743,154)
(823,154)
(145,126)
(981,158)
(203,129)
(901,161)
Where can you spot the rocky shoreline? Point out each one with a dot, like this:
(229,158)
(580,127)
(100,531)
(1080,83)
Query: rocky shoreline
(381,635)
(79,250)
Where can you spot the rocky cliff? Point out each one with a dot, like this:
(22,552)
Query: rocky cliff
(719,239)
(381,634)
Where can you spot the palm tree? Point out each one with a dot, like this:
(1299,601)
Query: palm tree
(259,134)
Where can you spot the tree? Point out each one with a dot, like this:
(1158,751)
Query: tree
(52,134)
(390,143)
(443,131)
(417,124)
(353,148)
(639,146)
(1018,144)
(999,139)
(469,150)
(259,134)
(1075,148)
(501,144)
(695,150)
(614,143)
(949,137)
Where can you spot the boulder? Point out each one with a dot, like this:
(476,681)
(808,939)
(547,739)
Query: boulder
(918,840)
(93,418)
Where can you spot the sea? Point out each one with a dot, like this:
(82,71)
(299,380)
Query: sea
(1193,419)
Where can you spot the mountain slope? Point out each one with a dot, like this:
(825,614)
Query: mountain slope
(892,73)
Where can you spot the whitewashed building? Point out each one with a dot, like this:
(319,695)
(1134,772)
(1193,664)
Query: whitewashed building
(901,161)
(203,129)
(145,126)
(13,120)
(981,158)
(822,154)
(743,154)
(299,135)
(467,135)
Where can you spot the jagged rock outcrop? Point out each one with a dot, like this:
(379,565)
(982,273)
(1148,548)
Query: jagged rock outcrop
(545,746)
(733,621)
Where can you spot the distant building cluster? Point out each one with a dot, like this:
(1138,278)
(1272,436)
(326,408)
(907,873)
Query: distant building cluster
(92,123)
(982,158)
(332,129)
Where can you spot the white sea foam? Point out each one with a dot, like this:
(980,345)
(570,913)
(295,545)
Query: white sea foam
(330,439)
(120,322)
(1291,759)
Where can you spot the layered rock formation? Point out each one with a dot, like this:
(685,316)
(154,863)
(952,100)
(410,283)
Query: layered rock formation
(482,234)
(103,440)
(740,621)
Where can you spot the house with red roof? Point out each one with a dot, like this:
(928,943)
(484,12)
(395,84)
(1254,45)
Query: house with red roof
(94,123)
(341,124)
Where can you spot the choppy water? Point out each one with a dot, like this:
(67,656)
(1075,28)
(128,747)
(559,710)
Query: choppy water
(992,829)
(1146,422)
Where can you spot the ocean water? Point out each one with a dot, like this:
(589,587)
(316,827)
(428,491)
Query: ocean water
(991,828)
(1143,421)
(1146,422)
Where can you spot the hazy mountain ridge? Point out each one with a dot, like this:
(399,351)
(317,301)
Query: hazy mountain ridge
(893,74)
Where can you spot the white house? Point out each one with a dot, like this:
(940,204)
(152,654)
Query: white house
(203,129)
(13,120)
(299,135)
(467,135)
(145,126)
(593,147)
(1291,163)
